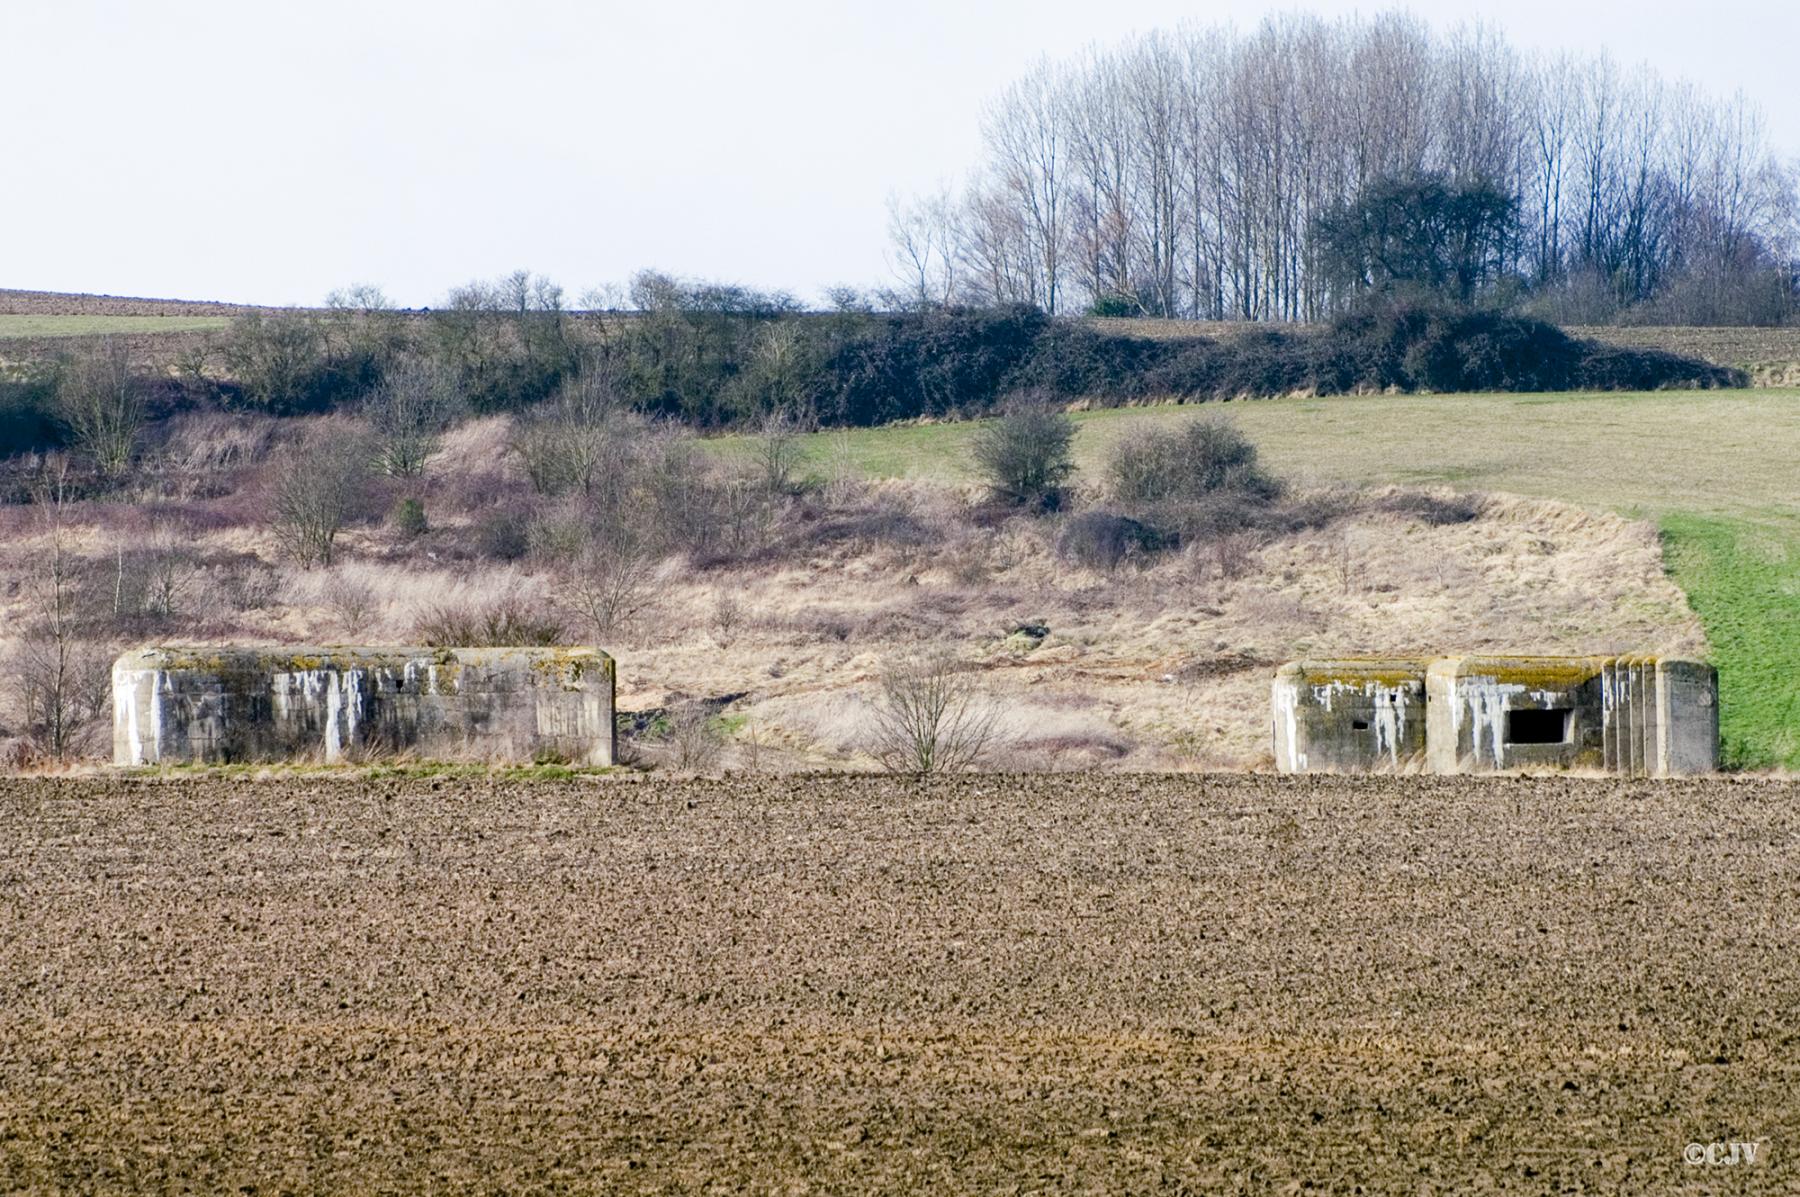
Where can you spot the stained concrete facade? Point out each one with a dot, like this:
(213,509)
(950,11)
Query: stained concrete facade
(1638,716)
(1350,716)
(181,705)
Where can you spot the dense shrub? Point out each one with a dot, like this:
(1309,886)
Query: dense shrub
(1617,368)
(1198,482)
(1420,348)
(1024,456)
(507,622)
(503,534)
(1105,540)
(28,415)
(724,357)
(1416,348)
(408,518)
(1200,459)
(1076,361)
(284,365)
(954,362)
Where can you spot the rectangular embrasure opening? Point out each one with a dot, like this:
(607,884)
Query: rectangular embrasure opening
(1538,727)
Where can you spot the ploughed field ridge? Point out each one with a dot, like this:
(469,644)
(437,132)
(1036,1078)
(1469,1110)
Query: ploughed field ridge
(1124,982)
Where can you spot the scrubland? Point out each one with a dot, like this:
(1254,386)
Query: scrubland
(781,626)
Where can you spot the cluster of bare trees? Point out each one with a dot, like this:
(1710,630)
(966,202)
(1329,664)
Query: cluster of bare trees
(1184,173)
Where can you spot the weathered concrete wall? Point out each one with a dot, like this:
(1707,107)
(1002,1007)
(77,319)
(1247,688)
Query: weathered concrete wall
(1479,706)
(1349,716)
(173,705)
(1640,716)
(1687,718)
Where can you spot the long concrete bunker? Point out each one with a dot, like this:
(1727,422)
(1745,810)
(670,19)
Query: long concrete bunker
(1640,716)
(180,705)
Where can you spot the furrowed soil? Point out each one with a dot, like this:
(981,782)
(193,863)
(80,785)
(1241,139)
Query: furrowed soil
(1015,984)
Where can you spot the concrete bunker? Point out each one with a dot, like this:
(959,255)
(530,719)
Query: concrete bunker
(176,705)
(1637,716)
(1350,716)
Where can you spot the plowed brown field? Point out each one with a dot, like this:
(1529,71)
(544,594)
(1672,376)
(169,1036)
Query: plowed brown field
(1055,983)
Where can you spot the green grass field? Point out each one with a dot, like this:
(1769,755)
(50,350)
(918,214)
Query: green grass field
(1715,469)
(21,328)
(1744,581)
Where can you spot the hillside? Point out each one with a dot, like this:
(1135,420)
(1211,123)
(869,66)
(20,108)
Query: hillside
(1713,469)
(1157,663)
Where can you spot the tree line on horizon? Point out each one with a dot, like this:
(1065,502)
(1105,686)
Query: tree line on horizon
(1213,174)
(712,356)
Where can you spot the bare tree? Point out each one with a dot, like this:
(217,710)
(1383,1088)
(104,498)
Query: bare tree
(1026,142)
(102,403)
(777,448)
(572,442)
(417,401)
(319,485)
(924,239)
(59,670)
(608,582)
(930,718)
(1183,173)
(157,578)
(695,735)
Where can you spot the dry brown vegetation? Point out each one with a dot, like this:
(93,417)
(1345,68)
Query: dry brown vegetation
(1160,666)
(1037,984)
(1161,662)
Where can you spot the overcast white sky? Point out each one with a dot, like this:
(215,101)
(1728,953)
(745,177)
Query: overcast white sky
(269,150)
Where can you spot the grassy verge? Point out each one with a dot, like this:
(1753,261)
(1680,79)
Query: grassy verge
(1744,582)
(16,327)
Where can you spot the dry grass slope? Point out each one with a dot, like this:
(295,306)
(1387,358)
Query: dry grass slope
(1162,665)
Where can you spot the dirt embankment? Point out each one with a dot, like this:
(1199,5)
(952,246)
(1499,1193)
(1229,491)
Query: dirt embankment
(1202,984)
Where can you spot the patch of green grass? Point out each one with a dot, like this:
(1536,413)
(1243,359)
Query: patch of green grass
(1726,453)
(1744,582)
(18,328)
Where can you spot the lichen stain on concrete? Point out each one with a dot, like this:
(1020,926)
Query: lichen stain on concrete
(1637,715)
(235,704)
